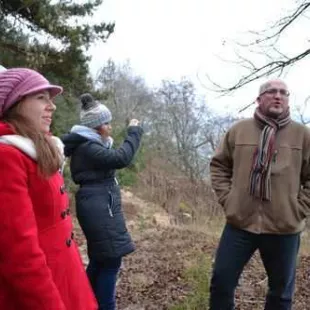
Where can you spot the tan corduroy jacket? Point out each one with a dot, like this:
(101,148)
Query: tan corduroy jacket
(290,179)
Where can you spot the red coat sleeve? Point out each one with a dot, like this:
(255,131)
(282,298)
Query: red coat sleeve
(22,262)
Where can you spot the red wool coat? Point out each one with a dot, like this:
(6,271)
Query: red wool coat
(40,266)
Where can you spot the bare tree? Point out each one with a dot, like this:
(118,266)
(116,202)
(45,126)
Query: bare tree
(301,112)
(188,130)
(181,130)
(215,128)
(125,93)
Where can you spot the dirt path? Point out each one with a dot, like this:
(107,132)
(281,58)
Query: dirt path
(152,277)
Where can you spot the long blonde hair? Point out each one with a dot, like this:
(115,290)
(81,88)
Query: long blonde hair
(48,155)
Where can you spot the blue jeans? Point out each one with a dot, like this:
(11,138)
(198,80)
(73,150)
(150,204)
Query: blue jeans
(236,247)
(102,276)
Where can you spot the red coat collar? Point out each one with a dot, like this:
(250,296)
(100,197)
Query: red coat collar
(6,129)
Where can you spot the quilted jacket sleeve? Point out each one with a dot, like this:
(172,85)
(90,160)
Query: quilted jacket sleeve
(23,265)
(117,158)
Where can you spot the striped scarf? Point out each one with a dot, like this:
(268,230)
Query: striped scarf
(260,185)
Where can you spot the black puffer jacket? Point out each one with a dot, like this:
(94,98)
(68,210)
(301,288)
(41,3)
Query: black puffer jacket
(98,200)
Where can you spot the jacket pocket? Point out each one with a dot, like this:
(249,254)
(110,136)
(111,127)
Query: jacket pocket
(286,158)
(111,204)
(115,202)
(239,207)
(226,201)
(301,211)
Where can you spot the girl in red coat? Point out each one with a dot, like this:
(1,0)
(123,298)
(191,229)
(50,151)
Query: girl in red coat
(40,266)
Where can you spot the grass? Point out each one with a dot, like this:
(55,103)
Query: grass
(304,243)
(211,226)
(198,277)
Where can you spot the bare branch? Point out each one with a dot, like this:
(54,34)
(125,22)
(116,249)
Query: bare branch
(275,61)
(265,70)
(283,24)
(246,107)
(201,144)
(247,61)
(280,53)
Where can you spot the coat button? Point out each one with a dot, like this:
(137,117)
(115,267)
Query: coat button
(63,214)
(68,242)
(63,188)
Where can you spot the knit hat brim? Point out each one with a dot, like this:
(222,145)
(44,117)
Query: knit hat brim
(96,117)
(54,90)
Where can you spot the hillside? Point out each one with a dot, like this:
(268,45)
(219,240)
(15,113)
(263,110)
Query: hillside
(154,277)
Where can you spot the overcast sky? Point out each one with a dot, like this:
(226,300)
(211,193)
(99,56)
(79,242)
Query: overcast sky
(168,39)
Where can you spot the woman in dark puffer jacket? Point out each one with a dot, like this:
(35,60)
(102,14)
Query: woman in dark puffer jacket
(98,200)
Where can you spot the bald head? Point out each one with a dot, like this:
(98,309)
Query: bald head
(269,84)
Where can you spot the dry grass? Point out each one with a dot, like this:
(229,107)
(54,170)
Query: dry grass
(305,243)
(192,204)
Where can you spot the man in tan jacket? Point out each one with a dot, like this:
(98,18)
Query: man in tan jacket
(261,175)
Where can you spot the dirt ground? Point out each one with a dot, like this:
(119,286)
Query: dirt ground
(153,276)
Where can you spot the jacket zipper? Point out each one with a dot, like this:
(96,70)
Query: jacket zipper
(110,204)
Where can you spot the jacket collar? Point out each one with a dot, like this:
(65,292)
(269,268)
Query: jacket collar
(27,146)
(22,143)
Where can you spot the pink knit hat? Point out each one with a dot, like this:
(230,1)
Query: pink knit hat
(16,83)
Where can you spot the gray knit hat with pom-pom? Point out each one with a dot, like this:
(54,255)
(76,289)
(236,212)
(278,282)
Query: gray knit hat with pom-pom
(93,113)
